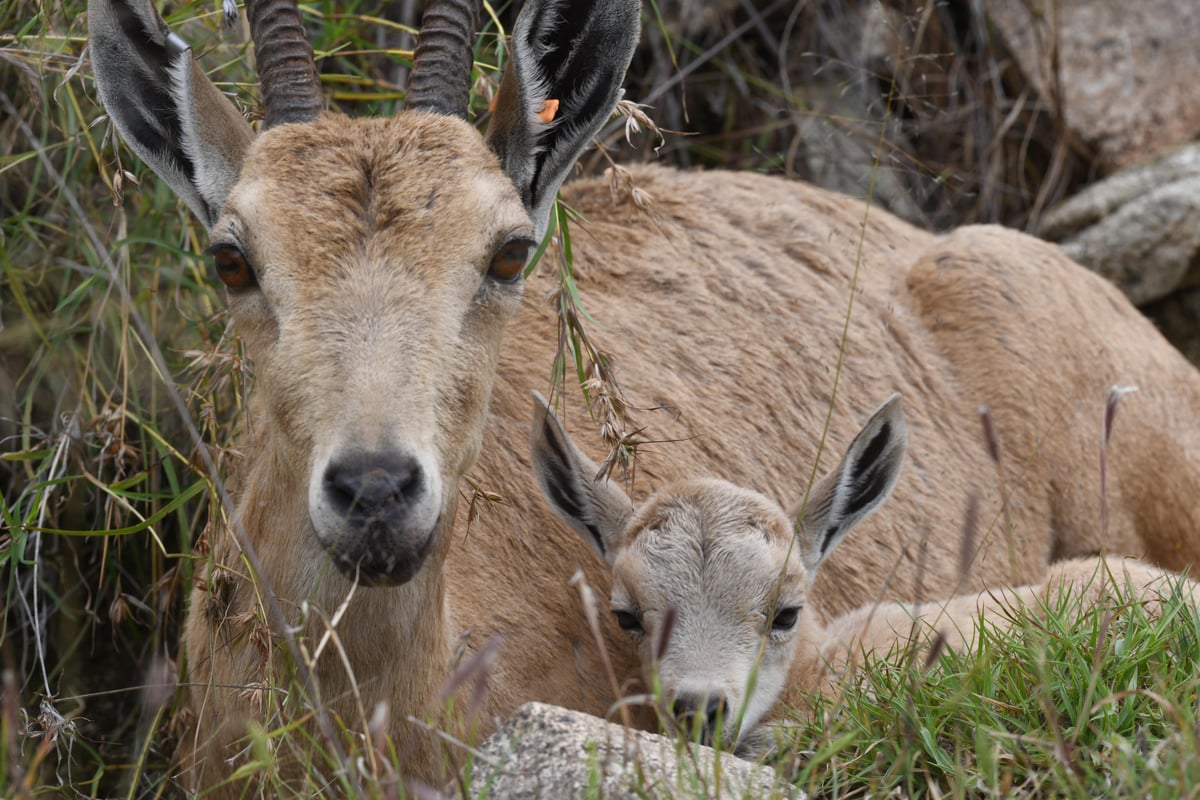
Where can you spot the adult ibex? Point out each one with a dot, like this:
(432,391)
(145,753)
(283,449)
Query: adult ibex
(374,265)
(712,581)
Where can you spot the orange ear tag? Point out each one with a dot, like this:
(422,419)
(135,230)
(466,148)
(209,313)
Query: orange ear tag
(549,110)
(492,103)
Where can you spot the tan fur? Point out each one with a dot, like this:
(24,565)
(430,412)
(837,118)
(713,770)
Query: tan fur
(724,310)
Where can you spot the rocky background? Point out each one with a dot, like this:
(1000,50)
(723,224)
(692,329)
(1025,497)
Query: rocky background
(1073,120)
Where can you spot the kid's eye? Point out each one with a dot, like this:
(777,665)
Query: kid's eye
(628,621)
(785,618)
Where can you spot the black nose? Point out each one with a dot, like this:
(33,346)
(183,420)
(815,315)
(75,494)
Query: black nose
(370,484)
(686,709)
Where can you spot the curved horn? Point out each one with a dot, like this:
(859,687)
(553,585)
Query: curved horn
(440,80)
(291,90)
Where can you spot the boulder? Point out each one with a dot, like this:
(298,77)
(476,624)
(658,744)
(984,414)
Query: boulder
(1139,228)
(547,751)
(1124,72)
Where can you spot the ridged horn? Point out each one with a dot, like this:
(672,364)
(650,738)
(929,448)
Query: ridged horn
(291,90)
(440,80)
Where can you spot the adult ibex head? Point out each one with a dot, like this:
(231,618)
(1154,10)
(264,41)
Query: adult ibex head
(712,579)
(371,264)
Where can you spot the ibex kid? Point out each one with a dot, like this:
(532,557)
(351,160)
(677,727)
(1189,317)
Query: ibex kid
(711,579)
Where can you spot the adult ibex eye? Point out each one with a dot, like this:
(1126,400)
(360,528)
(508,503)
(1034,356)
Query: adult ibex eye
(628,621)
(785,618)
(232,267)
(510,259)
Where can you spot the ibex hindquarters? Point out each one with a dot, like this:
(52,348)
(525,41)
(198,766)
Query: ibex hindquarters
(1042,343)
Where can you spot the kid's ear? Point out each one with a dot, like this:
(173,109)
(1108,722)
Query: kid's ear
(857,486)
(561,84)
(594,506)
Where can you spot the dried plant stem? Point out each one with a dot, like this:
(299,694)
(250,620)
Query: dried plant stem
(1111,404)
(597,378)
(992,440)
(588,599)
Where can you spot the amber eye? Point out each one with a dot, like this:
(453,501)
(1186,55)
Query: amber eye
(510,259)
(232,267)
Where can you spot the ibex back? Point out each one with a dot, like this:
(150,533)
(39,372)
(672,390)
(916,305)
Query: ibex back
(373,266)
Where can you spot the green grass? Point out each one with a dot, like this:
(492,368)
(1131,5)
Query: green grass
(117,370)
(1072,702)
(111,328)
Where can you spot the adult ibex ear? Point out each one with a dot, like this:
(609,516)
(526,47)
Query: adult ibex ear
(595,507)
(166,108)
(859,485)
(563,79)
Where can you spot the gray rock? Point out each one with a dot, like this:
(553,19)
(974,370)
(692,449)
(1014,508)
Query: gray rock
(1140,228)
(841,150)
(1123,72)
(545,751)
(1147,248)
(1101,199)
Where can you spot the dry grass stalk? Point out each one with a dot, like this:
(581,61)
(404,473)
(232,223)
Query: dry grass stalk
(992,440)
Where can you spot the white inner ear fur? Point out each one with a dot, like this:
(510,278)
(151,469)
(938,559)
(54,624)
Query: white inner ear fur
(534,86)
(213,170)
